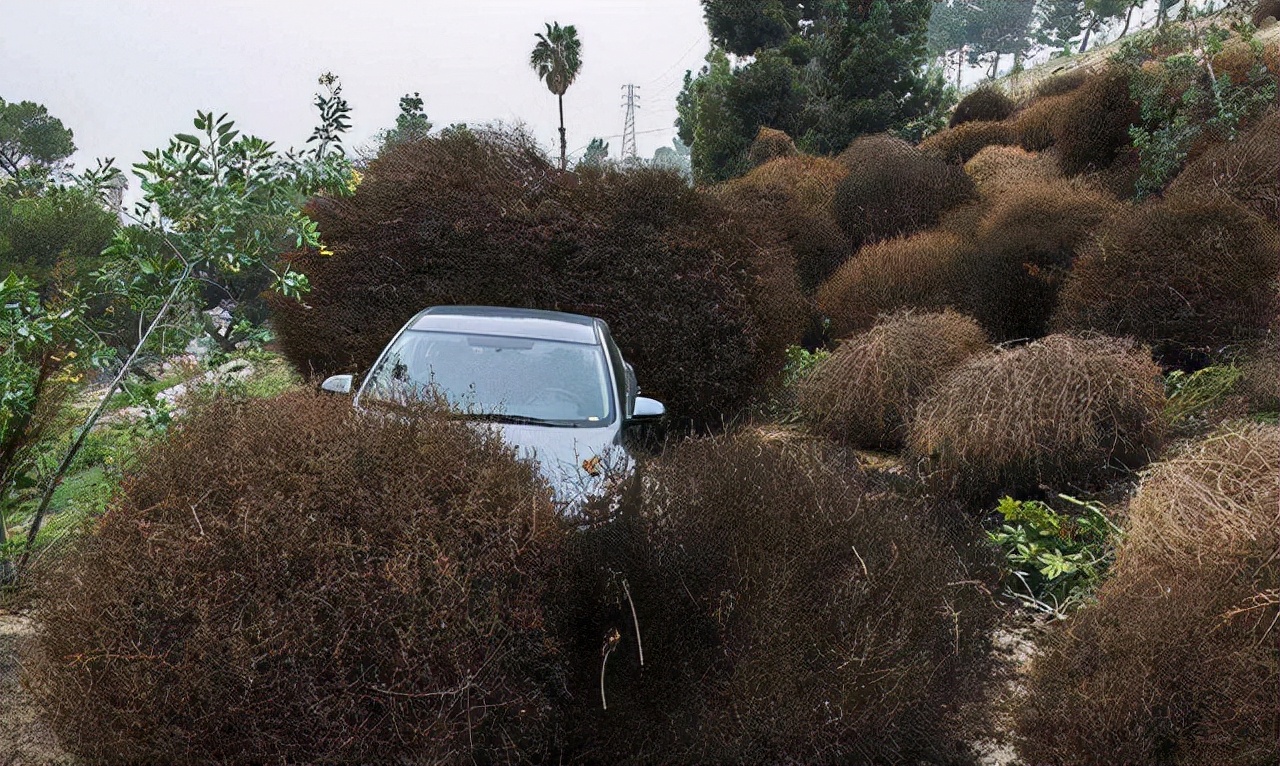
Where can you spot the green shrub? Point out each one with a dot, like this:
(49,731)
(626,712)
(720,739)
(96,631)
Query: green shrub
(1179,274)
(986,103)
(894,189)
(867,390)
(1192,394)
(1055,559)
(702,300)
(1062,412)
(288,580)
(789,612)
(1176,662)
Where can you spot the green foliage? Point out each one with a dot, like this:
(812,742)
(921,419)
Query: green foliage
(597,153)
(59,226)
(800,362)
(411,124)
(557,60)
(841,70)
(33,143)
(1183,99)
(1190,395)
(996,28)
(1054,559)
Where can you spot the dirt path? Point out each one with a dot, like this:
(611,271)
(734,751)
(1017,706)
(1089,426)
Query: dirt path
(23,739)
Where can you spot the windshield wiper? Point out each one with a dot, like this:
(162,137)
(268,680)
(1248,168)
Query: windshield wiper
(518,420)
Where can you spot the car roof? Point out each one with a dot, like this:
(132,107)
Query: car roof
(515,323)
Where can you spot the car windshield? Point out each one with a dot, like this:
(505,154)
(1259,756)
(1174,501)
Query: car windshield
(504,379)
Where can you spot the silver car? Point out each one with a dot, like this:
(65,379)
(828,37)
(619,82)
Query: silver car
(553,384)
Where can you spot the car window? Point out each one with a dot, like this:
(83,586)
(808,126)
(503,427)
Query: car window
(550,382)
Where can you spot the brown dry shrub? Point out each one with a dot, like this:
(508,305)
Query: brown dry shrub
(1240,61)
(1063,83)
(1036,121)
(1023,250)
(793,194)
(703,301)
(1176,662)
(758,568)
(1260,379)
(918,272)
(1093,125)
(893,188)
(962,143)
(986,103)
(1246,169)
(1061,412)
(291,581)
(1179,274)
(770,144)
(997,169)
(865,393)
(1267,9)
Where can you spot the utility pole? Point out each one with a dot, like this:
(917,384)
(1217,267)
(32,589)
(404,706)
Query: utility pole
(630,102)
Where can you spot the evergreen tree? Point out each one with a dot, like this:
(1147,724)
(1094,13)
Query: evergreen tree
(824,72)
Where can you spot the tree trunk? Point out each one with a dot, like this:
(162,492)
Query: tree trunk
(1127,18)
(89,423)
(1084,44)
(995,66)
(564,146)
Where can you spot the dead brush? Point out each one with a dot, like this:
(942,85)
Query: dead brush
(962,143)
(1023,249)
(894,189)
(986,103)
(917,272)
(1176,661)
(865,392)
(702,299)
(1062,412)
(997,169)
(290,581)
(801,623)
(770,144)
(1093,123)
(1246,169)
(1213,496)
(793,196)
(1181,274)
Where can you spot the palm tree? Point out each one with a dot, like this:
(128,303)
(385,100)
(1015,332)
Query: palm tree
(557,58)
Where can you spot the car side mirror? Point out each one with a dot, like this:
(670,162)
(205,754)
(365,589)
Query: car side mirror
(339,384)
(648,409)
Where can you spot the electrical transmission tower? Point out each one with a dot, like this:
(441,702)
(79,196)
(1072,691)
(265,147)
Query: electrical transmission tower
(631,102)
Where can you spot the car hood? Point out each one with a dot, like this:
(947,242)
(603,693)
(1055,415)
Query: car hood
(568,457)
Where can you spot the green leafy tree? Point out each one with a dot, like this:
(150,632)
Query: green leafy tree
(596,154)
(557,59)
(843,70)
(993,28)
(743,27)
(33,143)
(411,124)
(61,227)
(214,202)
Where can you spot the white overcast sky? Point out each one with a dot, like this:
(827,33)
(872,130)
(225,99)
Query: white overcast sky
(125,75)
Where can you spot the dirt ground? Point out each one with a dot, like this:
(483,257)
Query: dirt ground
(23,739)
